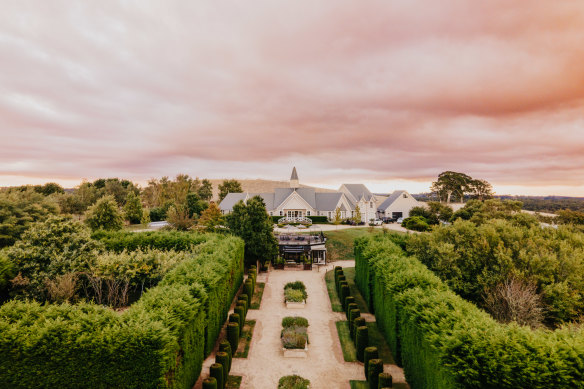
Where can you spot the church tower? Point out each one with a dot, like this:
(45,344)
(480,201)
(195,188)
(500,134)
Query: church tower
(294,179)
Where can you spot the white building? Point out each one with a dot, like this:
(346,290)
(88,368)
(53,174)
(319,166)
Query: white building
(397,205)
(301,202)
(297,202)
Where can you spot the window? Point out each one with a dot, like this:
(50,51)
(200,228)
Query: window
(307,213)
(371,204)
(330,214)
(281,213)
(405,196)
(271,213)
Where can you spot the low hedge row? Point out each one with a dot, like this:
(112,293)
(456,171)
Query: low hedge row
(160,342)
(162,240)
(315,219)
(443,341)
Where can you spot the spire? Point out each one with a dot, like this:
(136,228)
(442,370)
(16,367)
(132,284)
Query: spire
(294,179)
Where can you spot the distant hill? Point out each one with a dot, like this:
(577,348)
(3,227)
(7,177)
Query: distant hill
(262,186)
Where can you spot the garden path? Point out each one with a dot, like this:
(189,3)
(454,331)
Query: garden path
(324,366)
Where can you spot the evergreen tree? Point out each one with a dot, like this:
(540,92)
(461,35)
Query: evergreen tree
(229,186)
(252,223)
(206,190)
(104,214)
(133,208)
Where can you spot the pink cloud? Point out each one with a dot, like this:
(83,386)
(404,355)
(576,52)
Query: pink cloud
(381,90)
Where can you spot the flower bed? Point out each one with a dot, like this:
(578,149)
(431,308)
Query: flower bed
(294,336)
(293,382)
(295,294)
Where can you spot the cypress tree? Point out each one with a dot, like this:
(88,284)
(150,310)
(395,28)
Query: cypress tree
(354,313)
(344,293)
(222,358)
(210,383)
(358,322)
(226,347)
(350,300)
(216,371)
(241,316)
(233,336)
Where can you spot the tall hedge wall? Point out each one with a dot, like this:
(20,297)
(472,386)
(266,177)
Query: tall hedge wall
(159,342)
(443,341)
(162,240)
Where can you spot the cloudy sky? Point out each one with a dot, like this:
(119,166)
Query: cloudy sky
(390,93)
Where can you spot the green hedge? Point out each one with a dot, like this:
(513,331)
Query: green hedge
(443,341)
(315,219)
(162,240)
(159,342)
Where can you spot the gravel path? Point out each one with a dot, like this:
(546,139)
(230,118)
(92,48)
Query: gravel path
(324,366)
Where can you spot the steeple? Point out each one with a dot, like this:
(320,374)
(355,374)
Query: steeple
(294,179)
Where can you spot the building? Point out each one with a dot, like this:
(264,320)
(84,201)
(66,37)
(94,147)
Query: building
(297,203)
(397,205)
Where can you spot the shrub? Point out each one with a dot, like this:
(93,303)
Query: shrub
(444,341)
(119,241)
(354,313)
(210,383)
(293,295)
(345,292)
(216,371)
(104,215)
(361,341)
(294,335)
(222,358)
(357,322)
(369,353)
(374,369)
(233,336)
(416,223)
(225,347)
(293,382)
(385,380)
(290,321)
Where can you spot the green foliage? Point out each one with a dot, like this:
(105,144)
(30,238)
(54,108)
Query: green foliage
(361,341)
(51,248)
(104,215)
(291,321)
(295,292)
(455,186)
(158,214)
(216,371)
(374,369)
(18,210)
(369,353)
(473,259)
(233,335)
(119,241)
(481,211)
(6,270)
(133,208)
(210,383)
(225,347)
(229,186)
(444,341)
(416,223)
(159,342)
(252,223)
(178,217)
(568,216)
(433,212)
(294,335)
(385,381)
(212,219)
(195,205)
(293,382)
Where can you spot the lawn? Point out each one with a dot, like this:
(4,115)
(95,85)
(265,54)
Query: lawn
(256,299)
(359,384)
(349,352)
(339,243)
(330,285)
(245,339)
(233,382)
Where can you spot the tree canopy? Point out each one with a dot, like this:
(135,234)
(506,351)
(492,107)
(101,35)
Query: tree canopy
(251,222)
(455,186)
(229,186)
(104,214)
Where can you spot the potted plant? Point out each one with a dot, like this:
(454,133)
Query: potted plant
(279,263)
(307,262)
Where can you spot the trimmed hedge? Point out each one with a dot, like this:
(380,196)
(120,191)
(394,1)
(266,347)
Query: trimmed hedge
(443,341)
(315,219)
(159,342)
(119,241)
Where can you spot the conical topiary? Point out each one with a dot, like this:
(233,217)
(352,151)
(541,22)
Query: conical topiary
(369,354)
(216,371)
(385,381)
(361,341)
(233,336)
(375,368)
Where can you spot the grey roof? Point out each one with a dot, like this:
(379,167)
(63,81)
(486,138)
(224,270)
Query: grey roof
(309,195)
(230,200)
(233,198)
(358,191)
(294,175)
(388,201)
(281,194)
(327,201)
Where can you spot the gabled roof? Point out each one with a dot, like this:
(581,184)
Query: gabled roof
(358,191)
(233,198)
(281,194)
(391,199)
(327,201)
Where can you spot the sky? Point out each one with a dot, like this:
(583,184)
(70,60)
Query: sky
(387,93)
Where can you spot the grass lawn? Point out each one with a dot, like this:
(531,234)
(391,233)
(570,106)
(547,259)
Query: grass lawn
(359,384)
(245,339)
(233,382)
(349,351)
(340,243)
(256,300)
(330,285)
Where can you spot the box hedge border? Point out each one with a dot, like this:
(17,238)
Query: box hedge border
(444,341)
